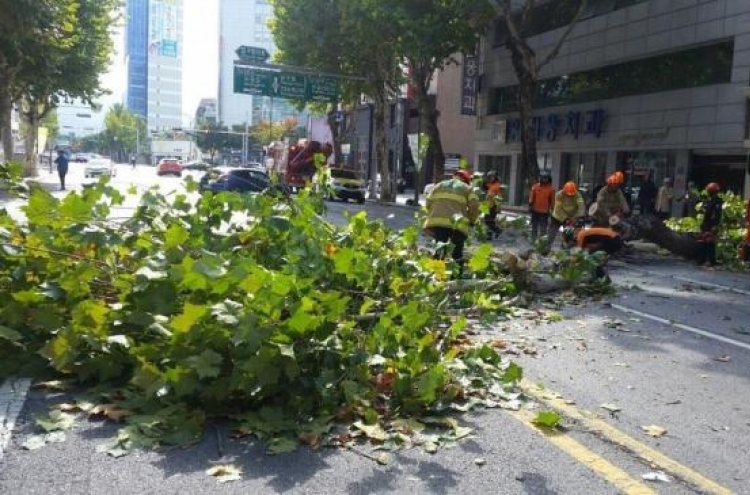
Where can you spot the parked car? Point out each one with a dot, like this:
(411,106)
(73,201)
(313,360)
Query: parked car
(345,184)
(97,165)
(80,158)
(255,180)
(196,166)
(169,166)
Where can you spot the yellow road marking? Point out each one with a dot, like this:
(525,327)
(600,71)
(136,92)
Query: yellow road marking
(642,451)
(605,469)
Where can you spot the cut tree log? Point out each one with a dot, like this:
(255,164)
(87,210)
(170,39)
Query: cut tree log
(652,228)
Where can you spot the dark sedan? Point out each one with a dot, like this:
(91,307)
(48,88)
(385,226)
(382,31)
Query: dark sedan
(239,180)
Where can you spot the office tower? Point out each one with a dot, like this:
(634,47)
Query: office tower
(245,22)
(154,60)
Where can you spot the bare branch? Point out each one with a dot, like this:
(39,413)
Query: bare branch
(552,54)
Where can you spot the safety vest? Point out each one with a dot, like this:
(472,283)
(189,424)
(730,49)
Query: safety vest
(452,204)
(568,206)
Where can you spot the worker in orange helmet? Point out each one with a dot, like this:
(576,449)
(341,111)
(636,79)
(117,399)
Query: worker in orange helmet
(569,208)
(610,202)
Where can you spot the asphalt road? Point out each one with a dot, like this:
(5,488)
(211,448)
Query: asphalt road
(670,349)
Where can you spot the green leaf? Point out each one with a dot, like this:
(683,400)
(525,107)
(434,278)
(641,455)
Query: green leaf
(57,420)
(176,236)
(191,313)
(513,373)
(281,445)
(480,260)
(10,334)
(207,364)
(547,419)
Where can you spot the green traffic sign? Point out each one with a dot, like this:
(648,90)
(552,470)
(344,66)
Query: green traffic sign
(289,85)
(252,81)
(322,88)
(252,53)
(285,84)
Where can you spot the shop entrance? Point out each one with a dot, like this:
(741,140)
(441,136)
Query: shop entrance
(726,170)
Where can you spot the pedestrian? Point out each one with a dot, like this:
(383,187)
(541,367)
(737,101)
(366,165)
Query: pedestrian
(568,209)
(132,160)
(712,209)
(541,202)
(647,194)
(610,202)
(494,200)
(664,199)
(690,200)
(62,167)
(452,207)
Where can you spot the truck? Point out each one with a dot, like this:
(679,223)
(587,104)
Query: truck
(295,163)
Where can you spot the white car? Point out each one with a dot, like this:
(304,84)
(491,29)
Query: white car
(99,166)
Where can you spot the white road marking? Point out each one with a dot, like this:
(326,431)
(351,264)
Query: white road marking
(681,326)
(12,396)
(726,288)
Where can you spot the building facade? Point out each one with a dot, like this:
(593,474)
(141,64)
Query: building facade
(206,111)
(154,60)
(640,86)
(245,23)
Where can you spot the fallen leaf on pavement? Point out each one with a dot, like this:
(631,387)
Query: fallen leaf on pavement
(383,459)
(612,408)
(654,431)
(34,442)
(723,359)
(110,411)
(56,385)
(57,420)
(656,476)
(225,473)
(373,432)
(480,461)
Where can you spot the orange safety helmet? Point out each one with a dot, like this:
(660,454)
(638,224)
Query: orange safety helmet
(570,188)
(619,177)
(713,188)
(464,175)
(612,181)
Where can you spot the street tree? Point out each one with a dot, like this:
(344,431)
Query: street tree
(340,36)
(516,19)
(120,134)
(432,33)
(64,60)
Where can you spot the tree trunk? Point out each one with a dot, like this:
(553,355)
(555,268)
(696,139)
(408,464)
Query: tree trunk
(428,113)
(653,229)
(30,156)
(381,148)
(336,136)
(527,82)
(6,134)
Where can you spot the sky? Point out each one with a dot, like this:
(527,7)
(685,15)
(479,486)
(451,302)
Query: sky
(200,58)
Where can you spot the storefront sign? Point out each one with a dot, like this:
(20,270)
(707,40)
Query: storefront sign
(639,137)
(469,85)
(551,126)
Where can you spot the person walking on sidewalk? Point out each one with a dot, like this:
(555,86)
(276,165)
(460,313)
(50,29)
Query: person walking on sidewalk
(494,200)
(452,207)
(62,167)
(568,209)
(712,209)
(664,199)
(541,202)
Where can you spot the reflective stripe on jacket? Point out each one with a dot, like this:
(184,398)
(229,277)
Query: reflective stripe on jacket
(452,204)
(568,206)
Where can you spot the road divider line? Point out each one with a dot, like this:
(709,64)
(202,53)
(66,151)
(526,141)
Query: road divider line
(12,397)
(603,429)
(682,326)
(593,461)
(726,288)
